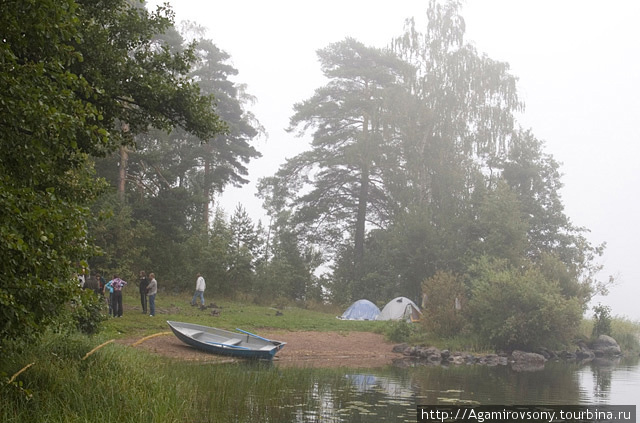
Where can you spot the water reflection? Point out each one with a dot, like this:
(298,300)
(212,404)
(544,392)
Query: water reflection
(391,394)
(615,381)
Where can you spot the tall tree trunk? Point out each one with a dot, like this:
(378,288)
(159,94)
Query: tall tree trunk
(363,199)
(207,191)
(122,173)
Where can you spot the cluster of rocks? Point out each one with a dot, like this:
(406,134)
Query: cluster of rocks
(604,346)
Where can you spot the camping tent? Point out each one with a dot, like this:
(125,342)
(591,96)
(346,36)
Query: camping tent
(400,308)
(361,310)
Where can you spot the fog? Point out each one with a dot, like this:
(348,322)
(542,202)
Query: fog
(577,61)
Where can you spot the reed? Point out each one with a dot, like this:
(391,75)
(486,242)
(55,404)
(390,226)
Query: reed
(625,331)
(117,383)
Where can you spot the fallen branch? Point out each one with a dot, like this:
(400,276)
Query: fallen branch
(15,375)
(140,341)
(97,348)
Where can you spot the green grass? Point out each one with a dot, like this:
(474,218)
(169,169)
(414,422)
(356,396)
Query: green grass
(233,314)
(121,384)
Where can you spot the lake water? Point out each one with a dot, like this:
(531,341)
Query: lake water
(392,394)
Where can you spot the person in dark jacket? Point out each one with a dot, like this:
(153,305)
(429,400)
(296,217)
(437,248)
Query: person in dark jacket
(143,283)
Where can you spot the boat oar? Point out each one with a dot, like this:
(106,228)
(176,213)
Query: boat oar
(254,335)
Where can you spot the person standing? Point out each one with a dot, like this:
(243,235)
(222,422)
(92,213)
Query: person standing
(152,290)
(109,287)
(143,283)
(200,286)
(117,285)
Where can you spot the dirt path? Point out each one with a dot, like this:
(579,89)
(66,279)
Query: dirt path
(303,349)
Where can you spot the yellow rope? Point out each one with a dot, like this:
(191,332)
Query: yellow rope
(97,348)
(140,341)
(20,371)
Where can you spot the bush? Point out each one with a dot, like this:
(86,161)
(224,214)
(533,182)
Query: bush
(87,311)
(518,308)
(445,300)
(601,321)
(399,331)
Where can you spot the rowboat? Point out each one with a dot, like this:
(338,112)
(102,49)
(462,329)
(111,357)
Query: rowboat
(218,341)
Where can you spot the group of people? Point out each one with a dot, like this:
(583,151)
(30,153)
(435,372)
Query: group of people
(112,291)
(147,286)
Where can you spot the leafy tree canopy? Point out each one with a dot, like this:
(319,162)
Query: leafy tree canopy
(72,75)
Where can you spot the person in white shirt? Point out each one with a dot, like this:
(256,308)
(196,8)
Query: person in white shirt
(200,286)
(152,290)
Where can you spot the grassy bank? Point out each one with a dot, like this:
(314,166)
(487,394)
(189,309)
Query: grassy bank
(117,383)
(121,384)
(232,314)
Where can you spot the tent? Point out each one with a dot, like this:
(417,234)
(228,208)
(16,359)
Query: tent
(361,310)
(400,308)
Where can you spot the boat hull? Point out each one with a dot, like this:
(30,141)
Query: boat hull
(219,341)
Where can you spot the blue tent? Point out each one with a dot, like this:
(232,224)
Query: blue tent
(361,310)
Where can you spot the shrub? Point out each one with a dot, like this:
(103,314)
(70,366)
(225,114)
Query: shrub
(399,331)
(601,321)
(445,300)
(87,312)
(519,308)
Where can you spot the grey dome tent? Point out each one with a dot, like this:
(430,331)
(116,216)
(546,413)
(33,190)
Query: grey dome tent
(361,310)
(400,308)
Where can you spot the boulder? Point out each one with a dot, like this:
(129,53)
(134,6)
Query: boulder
(400,348)
(605,346)
(585,354)
(566,355)
(546,353)
(526,361)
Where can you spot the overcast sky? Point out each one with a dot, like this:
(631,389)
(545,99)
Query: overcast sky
(578,64)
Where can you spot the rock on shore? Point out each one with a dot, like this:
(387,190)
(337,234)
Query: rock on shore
(604,346)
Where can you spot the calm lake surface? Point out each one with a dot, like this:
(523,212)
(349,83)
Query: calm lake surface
(391,394)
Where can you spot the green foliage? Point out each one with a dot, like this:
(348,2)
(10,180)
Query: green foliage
(502,228)
(88,311)
(347,117)
(46,178)
(122,239)
(165,222)
(74,75)
(601,321)
(288,272)
(137,80)
(519,308)
(627,333)
(398,258)
(445,302)
(399,331)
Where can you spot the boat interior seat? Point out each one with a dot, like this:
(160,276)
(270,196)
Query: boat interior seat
(192,332)
(267,347)
(232,342)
